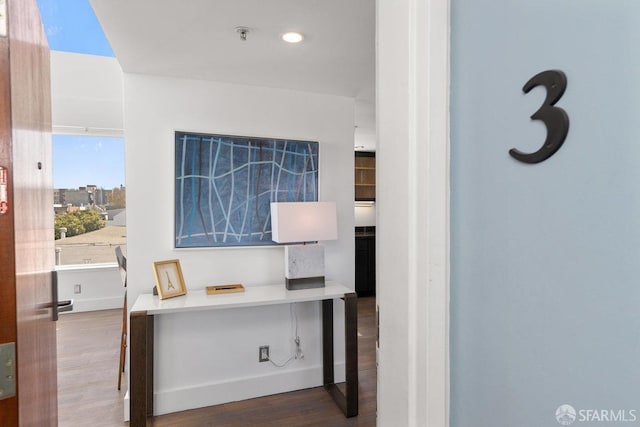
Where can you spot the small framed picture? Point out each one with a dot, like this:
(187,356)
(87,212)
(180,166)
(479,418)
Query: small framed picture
(169,279)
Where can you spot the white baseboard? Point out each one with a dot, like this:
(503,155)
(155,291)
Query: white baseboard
(95,304)
(200,396)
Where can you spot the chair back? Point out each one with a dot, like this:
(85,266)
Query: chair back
(122,265)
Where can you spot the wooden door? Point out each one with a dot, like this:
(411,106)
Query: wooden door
(26,229)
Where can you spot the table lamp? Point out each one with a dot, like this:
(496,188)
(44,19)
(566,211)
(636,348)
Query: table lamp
(303,223)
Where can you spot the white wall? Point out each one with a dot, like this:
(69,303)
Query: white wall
(100,285)
(86,92)
(209,358)
(365,119)
(365,215)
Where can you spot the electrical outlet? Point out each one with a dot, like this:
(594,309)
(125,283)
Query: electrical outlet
(263,353)
(77,289)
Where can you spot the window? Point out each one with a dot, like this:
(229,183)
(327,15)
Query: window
(72,26)
(89,198)
(88,171)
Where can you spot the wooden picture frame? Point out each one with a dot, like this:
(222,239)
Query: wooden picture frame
(169,279)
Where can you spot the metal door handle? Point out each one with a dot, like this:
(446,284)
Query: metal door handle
(66,305)
(58,306)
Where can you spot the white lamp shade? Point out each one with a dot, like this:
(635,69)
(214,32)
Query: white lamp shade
(303,221)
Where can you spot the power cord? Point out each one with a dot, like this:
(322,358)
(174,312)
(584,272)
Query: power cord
(297,354)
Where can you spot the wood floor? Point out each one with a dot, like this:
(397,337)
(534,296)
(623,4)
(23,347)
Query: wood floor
(88,350)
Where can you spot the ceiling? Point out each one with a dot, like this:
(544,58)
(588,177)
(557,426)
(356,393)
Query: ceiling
(197,39)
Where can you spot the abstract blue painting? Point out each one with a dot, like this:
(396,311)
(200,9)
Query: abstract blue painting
(224,186)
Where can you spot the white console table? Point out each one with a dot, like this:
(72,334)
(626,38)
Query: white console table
(147,306)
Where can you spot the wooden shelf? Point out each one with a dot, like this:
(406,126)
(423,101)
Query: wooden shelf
(365,176)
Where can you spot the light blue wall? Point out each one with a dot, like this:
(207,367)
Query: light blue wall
(545,259)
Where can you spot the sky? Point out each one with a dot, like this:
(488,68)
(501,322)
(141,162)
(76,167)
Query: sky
(71,26)
(87,160)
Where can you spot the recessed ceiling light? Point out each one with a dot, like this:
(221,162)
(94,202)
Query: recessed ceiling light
(292,37)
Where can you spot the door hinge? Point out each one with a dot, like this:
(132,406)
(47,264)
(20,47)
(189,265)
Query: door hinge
(3,18)
(7,370)
(377,326)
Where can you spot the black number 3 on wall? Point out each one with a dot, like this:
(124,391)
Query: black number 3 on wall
(554,118)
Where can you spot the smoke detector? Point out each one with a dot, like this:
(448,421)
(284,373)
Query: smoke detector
(243,31)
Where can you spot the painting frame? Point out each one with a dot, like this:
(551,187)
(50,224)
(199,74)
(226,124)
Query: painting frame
(224,185)
(169,278)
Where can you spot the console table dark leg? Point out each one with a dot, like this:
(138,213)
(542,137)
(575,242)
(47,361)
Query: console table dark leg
(351,352)
(347,402)
(141,368)
(327,342)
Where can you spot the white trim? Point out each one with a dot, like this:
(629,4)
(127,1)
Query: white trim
(413,211)
(96,304)
(220,392)
(438,211)
(86,267)
(414,96)
(89,131)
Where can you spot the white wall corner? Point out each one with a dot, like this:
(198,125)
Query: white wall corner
(413,212)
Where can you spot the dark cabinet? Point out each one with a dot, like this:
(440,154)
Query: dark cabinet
(365,264)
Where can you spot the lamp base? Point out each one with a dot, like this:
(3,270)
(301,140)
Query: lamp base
(305,283)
